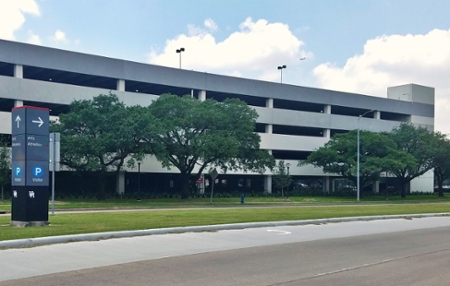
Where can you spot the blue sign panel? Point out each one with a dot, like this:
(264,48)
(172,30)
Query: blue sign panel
(18,121)
(37,173)
(18,177)
(37,121)
(37,147)
(30,120)
(18,146)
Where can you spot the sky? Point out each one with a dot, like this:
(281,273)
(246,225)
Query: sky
(361,46)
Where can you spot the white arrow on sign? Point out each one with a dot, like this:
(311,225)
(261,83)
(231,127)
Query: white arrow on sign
(18,121)
(38,121)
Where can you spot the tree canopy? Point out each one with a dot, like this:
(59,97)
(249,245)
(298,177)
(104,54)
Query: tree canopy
(421,144)
(98,135)
(442,163)
(406,152)
(339,156)
(281,177)
(103,135)
(189,133)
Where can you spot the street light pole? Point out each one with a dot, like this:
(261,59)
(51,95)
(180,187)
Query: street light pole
(179,51)
(281,71)
(287,166)
(357,156)
(139,181)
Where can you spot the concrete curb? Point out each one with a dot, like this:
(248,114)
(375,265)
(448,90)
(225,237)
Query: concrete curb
(17,243)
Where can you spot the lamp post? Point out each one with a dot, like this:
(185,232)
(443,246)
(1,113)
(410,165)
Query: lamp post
(139,181)
(357,156)
(281,72)
(289,181)
(179,51)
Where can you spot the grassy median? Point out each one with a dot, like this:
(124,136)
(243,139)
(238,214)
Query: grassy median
(62,224)
(74,204)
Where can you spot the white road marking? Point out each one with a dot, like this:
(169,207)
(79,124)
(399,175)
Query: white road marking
(279,232)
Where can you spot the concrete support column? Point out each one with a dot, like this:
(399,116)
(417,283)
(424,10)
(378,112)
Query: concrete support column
(327,109)
(268,183)
(269,128)
(120,183)
(18,103)
(202,95)
(120,85)
(376,187)
(269,103)
(326,133)
(377,115)
(18,71)
(326,184)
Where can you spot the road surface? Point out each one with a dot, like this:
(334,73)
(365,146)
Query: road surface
(384,252)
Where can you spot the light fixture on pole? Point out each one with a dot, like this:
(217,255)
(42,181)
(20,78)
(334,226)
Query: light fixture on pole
(179,51)
(357,156)
(281,71)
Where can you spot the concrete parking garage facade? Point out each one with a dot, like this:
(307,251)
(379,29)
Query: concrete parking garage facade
(293,120)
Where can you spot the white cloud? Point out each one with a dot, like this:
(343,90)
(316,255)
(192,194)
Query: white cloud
(396,60)
(254,51)
(33,38)
(59,37)
(12,15)
(210,25)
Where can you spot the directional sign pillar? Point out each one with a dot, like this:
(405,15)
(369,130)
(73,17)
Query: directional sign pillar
(30,163)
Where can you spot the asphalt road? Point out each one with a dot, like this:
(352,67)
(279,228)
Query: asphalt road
(387,252)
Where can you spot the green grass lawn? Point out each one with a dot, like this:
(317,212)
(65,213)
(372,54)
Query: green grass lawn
(62,224)
(223,202)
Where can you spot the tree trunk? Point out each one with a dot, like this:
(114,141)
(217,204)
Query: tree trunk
(403,192)
(438,177)
(184,186)
(101,194)
(2,192)
(403,189)
(441,191)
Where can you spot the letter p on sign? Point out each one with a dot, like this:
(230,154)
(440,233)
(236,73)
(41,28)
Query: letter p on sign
(18,171)
(37,171)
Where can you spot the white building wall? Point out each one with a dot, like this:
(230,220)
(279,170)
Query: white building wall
(424,183)
(417,94)
(57,93)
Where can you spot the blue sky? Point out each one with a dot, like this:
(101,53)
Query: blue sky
(358,46)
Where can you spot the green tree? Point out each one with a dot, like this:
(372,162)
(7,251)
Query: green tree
(281,178)
(187,133)
(422,146)
(5,167)
(442,163)
(378,153)
(98,135)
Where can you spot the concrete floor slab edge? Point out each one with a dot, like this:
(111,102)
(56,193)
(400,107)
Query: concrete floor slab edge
(17,243)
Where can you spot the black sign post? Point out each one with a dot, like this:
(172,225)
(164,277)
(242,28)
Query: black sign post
(30,163)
